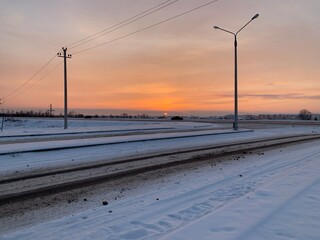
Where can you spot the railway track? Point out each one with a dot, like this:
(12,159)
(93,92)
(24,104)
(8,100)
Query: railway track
(37,184)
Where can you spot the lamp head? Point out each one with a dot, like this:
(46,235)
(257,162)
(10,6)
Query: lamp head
(216,27)
(255,16)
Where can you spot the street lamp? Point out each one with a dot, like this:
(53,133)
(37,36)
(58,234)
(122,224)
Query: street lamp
(235,123)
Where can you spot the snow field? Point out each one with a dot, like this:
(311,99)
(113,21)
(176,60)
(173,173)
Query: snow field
(287,207)
(259,195)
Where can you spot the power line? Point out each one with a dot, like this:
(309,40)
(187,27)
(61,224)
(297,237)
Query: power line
(99,34)
(22,85)
(148,27)
(95,36)
(37,81)
(44,76)
(122,23)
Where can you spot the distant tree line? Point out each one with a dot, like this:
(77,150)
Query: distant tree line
(303,114)
(39,113)
(71,114)
(27,113)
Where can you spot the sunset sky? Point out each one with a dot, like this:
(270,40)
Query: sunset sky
(182,65)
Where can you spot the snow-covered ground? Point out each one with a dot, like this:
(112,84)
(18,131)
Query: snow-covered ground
(118,146)
(273,194)
(27,126)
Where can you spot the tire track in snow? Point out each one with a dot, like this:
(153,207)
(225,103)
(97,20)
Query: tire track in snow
(179,210)
(202,201)
(272,211)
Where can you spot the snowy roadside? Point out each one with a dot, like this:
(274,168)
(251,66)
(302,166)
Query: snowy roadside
(256,195)
(32,161)
(288,207)
(25,126)
(274,195)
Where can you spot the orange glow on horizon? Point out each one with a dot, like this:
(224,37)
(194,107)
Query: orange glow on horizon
(183,65)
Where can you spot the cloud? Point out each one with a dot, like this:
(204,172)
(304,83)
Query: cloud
(276,96)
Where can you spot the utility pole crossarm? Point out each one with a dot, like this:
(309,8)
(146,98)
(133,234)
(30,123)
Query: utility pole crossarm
(64,50)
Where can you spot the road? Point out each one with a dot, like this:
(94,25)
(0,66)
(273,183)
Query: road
(152,184)
(183,202)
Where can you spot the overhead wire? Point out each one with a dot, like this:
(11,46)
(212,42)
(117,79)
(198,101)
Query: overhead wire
(110,29)
(93,37)
(28,80)
(38,80)
(122,23)
(148,27)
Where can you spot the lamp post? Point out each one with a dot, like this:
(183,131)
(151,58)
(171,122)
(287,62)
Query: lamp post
(235,123)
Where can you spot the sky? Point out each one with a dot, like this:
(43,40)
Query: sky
(182,65)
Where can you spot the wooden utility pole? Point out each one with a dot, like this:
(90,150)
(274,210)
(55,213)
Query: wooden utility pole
(65,56)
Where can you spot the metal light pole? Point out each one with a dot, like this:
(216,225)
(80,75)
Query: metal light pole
(235,123)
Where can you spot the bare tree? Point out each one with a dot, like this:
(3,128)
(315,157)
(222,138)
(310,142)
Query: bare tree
(304,114)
